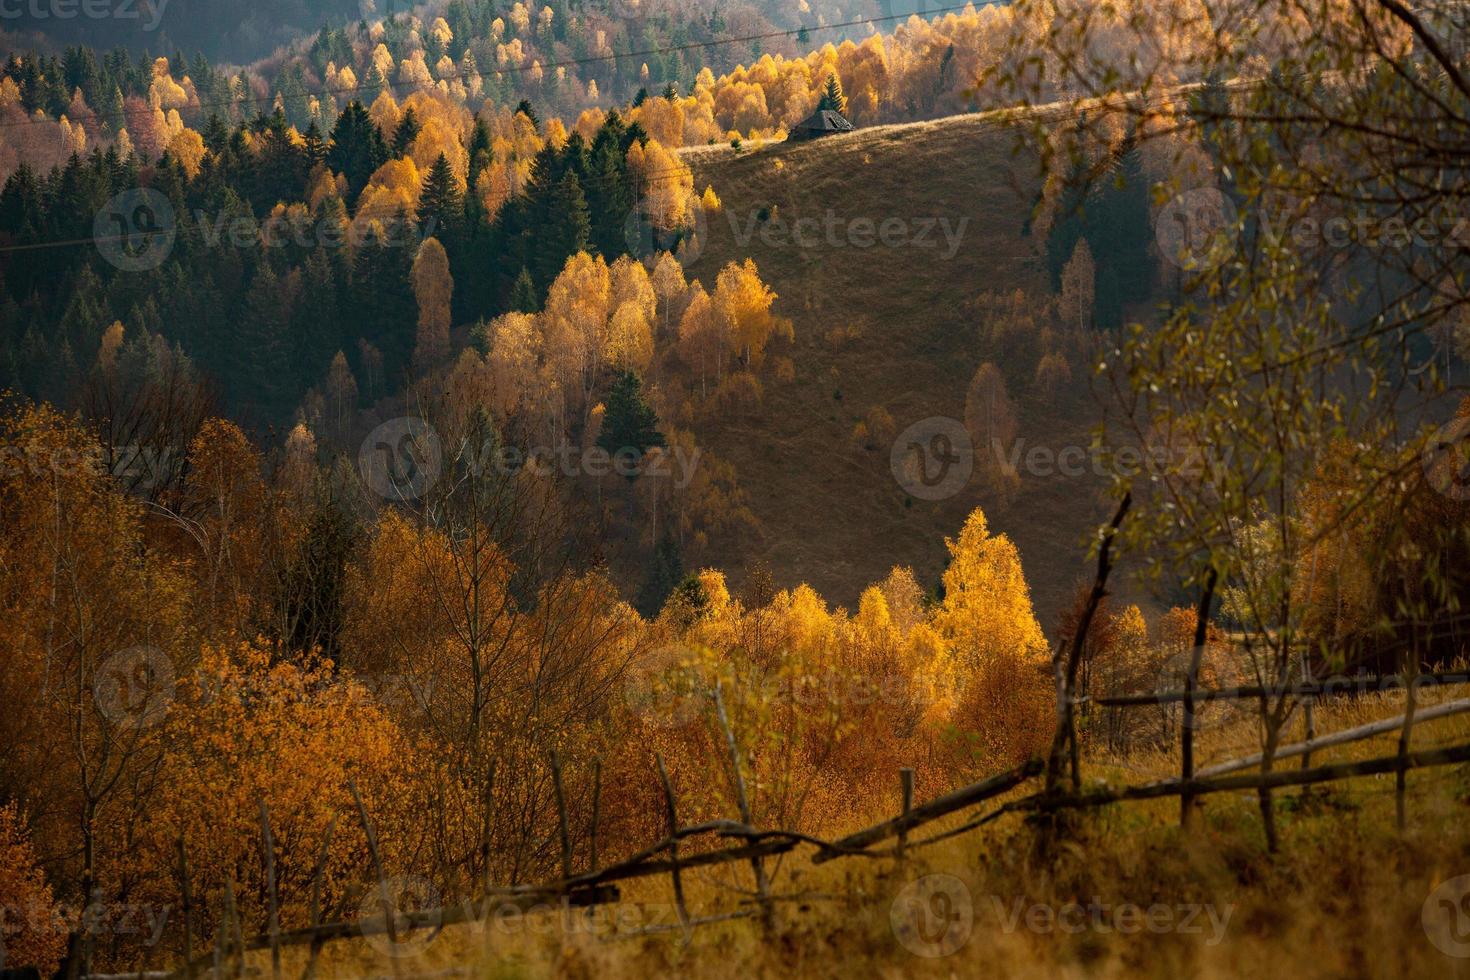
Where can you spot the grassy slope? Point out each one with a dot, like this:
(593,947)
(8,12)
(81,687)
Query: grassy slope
(835,517)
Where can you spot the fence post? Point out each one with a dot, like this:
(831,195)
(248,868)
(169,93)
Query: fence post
(316,899)
(389,923)
(1187,721)
(561,817)
(188,899)
(906,784)
(673,821)
(237,937)
(1309,716)
(489,824)
(1411,702)
(762,885)
(596,808)
(1066,662)
(268,858)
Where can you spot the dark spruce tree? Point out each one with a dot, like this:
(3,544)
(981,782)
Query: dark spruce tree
(216,134)
(665,572)
(317,334)
(356,150)
(565,232)
(609,191)
(385,310)
(281,166)
(316,147)
(524,108)
(441,206)
(630,424)
(407,131)
(1119,232)
(260,378)
(479,150)
(1108,203)
(314,587)
(523,298)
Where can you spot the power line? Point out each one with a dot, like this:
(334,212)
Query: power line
(577,62)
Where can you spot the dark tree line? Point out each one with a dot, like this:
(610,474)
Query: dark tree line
(1106,202)
(263,314)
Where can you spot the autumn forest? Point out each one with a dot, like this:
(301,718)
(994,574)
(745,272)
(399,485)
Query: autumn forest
(621,487)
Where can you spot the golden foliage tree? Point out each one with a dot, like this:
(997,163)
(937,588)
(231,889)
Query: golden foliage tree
(742,303)
(433,287)
(249,729)
(987,604)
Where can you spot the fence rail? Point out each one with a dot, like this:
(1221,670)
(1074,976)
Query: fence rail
(1364,684)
